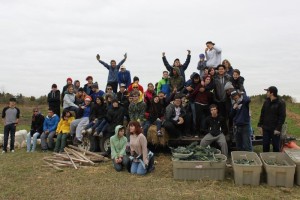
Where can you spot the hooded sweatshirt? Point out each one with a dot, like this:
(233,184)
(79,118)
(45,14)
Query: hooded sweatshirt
(176,80)
(118,144)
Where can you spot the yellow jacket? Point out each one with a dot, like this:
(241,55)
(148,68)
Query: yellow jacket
(64,125)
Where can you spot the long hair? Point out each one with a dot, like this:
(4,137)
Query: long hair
(138,129)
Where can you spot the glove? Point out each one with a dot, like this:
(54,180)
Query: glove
(276,132)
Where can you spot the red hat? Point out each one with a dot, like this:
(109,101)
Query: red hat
(69,79)
(88,98)
(89,77)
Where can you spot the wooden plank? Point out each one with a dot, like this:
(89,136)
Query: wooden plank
(85,151)
(54,167)
(70,158)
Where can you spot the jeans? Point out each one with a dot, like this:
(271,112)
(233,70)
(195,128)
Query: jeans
(50,144)
(101,127)
(202,112)
(34,139)
(147,124)
(119,166)
(193,108)
(243,137)
(9,129)
(268,135)
(61,142)
(137,168)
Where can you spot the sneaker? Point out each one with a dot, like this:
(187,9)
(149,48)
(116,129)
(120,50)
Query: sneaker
(89,131)
(159,133)
(83,132)
(76,142)
(13,151)
(28,151)
(3,152)
(96,134)
(101,134)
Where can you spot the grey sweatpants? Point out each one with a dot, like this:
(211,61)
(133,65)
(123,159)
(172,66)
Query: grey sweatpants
(77,126)
(220,139)
(50,144)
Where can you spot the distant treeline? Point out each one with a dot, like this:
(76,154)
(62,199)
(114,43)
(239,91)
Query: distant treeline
(4,98)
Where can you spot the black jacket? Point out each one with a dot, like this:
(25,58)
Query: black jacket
(114,117)
(215,125)
(37,124)
(272,114)
(54,99)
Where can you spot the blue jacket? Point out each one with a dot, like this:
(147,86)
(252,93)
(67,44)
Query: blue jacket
(241,114)
(113,72)
(124,77)
(50,123)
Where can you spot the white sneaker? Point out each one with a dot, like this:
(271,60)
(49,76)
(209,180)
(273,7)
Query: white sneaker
(13,151)
(89,131)
(3,152)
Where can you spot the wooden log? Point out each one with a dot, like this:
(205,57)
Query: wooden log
(57,161)
(54,167)
(82,156)
(85,151)
(70,159)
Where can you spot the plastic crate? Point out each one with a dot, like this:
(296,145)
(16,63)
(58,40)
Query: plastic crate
(246,174)
(279,175)
(196,170)
(294,154)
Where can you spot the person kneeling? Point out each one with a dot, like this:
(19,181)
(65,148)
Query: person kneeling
(118,144)
(215,127)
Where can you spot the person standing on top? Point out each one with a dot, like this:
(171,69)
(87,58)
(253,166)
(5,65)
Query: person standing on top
(113,69)
(213,55)
(177,63)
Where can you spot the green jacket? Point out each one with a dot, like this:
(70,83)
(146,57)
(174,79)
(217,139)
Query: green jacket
(117,145)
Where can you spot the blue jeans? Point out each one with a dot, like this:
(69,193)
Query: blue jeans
(243,138)
(193,108)
(268,135)
(147,124)
(9,129)
(119,166)
(101,127)
(34,139)
(137,168)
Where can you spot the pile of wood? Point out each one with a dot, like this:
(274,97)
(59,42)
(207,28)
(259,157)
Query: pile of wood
(73,157)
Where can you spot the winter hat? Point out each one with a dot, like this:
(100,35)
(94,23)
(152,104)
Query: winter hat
(122,85)
(89,77)
(69,79)
(201,56)
(88,98)
(233,93)
(228,86)
(135,79)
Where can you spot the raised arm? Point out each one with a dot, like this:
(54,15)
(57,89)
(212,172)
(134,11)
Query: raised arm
(122,61)
(102,62)
(187,61)
(166,63)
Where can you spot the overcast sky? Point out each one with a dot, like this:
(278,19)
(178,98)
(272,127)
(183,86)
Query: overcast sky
(45,42)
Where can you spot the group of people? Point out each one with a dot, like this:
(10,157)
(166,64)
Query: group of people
(212,103)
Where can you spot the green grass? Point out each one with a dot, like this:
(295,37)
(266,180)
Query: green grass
(23,177)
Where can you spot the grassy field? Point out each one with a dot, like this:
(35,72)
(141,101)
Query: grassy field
(23,177)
